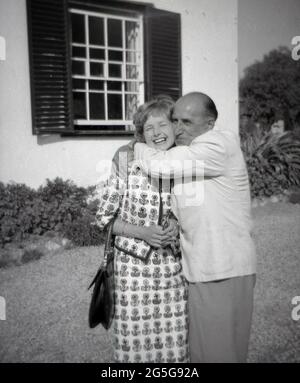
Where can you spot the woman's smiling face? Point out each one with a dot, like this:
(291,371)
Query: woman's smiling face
(158,132)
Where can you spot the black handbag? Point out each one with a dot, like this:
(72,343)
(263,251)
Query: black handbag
(102,306)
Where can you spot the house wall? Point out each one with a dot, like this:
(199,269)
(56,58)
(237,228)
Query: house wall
(209,64)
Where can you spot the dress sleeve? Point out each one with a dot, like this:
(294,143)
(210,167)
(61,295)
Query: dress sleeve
(110,200)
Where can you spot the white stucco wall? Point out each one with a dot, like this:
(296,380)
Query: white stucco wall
(209,64)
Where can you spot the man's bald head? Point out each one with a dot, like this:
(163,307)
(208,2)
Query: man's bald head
(194,114)
(198,102)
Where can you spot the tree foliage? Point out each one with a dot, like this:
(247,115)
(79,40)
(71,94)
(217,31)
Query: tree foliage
(270,89)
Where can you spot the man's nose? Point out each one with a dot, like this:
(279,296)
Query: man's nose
(178,128)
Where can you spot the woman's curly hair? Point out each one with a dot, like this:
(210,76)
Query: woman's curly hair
(160,105)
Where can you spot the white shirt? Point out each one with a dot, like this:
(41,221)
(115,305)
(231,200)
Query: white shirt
(213,208)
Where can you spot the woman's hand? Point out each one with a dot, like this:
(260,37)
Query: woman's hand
(156,236)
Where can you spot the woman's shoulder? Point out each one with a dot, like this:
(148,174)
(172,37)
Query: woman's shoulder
(122,153)
(121,160)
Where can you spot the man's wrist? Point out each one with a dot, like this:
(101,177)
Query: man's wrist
(132,143)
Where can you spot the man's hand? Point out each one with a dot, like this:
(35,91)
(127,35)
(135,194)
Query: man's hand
(172,228)
(130,153)
(130,157)
(172,231)
(132,143)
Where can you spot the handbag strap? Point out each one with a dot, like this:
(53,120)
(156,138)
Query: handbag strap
(108,248)
(160,212)
(108,252)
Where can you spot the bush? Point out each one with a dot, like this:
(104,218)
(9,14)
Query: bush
(273,163)
(16,201)
(60,202)
(31,255)
(58,206)
(82,231)
(295,196)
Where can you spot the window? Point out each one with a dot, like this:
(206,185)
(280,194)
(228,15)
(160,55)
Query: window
(93,65)
(107,68)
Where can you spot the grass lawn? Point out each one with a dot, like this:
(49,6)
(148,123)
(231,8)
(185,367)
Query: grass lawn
(275,336)
(47,300)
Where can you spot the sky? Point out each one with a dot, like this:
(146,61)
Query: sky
(264,25)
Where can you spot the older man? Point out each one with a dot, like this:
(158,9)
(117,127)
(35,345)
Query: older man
(219,257)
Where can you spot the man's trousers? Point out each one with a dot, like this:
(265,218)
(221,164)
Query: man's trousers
(220,315)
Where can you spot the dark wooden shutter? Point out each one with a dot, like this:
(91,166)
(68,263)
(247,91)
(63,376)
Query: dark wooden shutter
(162,32)
(49,66)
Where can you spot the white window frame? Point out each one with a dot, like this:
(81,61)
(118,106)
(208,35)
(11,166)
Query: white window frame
(139,63)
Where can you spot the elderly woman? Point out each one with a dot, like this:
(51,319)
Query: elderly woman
(150,323)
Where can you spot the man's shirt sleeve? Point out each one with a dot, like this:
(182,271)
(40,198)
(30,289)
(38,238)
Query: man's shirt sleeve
(205,156)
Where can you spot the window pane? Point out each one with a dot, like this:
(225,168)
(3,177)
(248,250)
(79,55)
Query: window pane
(96,30)
(131,86)
(78,84)
(97,106)
(114,106)
(114,33)
(79,105)
(115,56)
(114,70)
(131,105)
(96,85)
(114,85)
(132,72)
(78,35)
(96,69)
(131,34)
(78,67)
(79,52)
(98,54)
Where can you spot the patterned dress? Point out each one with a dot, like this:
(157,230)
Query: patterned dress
(150,323)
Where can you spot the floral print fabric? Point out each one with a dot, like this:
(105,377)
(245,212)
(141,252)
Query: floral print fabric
(150,323)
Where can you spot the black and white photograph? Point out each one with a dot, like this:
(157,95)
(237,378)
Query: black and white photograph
(149,184)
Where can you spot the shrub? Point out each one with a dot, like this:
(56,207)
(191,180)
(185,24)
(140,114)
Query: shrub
(273,163)
(58,206)
(295,196)
(31,255)
(60,202)
(6,260)
(15,203)
(82,231)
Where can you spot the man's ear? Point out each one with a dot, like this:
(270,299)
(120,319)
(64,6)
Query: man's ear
(211,122)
